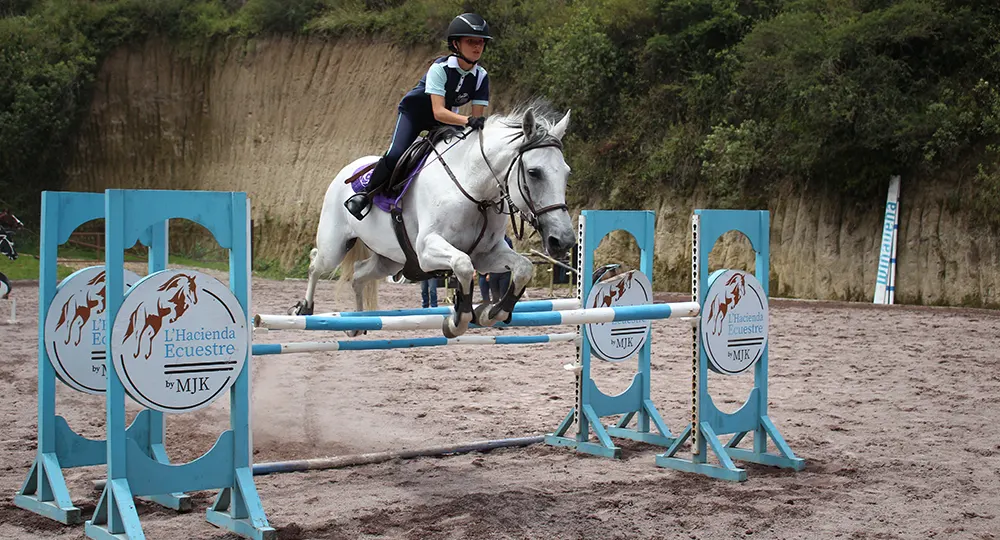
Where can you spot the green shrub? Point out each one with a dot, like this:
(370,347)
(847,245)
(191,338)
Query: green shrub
(258,16)
(727,96)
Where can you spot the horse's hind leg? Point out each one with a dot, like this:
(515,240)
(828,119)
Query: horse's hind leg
(323,260)
(367,274)
(79,334)
(435,253)
(305,306)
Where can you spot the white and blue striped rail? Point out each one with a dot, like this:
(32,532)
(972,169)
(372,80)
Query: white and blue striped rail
(532,306)
(263,349)
(433,322)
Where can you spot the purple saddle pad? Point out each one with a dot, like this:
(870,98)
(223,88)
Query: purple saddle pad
(383,201)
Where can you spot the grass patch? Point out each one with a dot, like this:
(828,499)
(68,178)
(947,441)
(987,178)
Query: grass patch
(271,269)
(27,266)
(194,263)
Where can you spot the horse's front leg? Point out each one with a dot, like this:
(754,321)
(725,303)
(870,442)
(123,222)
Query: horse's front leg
(436,253)
(69,334)
(138,340)
(156,330)
(501,258)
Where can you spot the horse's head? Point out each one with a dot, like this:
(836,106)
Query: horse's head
(738,285)
(9,221)
(185,293)
(540,190)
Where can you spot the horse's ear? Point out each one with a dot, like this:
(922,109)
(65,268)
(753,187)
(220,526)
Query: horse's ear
(528,123)
(559,130)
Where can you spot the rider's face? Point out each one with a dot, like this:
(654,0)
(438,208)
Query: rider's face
(471,47)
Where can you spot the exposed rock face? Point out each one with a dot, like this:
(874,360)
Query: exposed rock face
(824,248)
(280,117)
(277,118)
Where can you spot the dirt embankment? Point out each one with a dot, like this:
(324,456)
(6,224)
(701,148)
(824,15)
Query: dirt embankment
(279,117)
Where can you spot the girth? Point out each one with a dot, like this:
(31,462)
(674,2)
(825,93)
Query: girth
(414,155)
(411,268)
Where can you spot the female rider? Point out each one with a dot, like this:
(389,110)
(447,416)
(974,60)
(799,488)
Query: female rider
(451,81)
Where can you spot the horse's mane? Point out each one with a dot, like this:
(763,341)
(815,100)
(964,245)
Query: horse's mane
(546,116)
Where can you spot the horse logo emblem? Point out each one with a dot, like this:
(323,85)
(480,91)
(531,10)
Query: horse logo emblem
(736,289)
(615,292)
(81,308)
(75,330)
(174,298)
(734,321)
(179,340)
(619,340)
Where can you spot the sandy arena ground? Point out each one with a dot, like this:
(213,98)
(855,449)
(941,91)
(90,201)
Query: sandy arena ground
(890,407)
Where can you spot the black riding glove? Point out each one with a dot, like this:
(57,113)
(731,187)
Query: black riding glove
(476,122)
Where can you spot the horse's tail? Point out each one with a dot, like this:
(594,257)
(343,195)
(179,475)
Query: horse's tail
(359,252)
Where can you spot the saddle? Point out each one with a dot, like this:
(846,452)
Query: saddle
(414,157)
(389,197)
(409,163)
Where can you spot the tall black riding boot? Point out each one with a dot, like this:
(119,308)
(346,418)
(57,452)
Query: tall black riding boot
(360,203)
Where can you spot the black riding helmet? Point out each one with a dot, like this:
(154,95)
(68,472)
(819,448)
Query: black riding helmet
(467,25)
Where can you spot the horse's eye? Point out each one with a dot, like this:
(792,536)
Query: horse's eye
(534,172)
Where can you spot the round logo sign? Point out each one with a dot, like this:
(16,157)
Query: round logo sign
(734,321)
(76,329)
(619,340)
(179,340)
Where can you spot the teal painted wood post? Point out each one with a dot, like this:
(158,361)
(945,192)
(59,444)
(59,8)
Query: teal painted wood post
(646,244)
(762,270)
(709,422)
(114,254)
(634,403)
(159,256)
(44,490)
(239,396)
(587,247)
(227,465)
(47,284)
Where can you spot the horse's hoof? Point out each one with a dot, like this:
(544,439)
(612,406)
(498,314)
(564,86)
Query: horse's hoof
(354,333)
(300,308)
(481,315)
(450,331)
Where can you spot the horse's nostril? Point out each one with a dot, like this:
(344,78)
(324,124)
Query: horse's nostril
(555,246)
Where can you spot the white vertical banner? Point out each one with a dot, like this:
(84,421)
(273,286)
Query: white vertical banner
(885,280)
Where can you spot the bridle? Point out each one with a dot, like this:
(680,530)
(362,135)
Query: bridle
(541,139)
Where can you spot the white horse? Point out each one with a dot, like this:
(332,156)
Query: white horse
(455,215)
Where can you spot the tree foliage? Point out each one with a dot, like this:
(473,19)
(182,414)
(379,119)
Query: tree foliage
(734,96)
